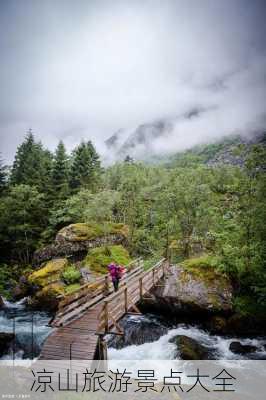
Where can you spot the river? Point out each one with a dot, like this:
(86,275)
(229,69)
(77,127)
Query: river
(146,337)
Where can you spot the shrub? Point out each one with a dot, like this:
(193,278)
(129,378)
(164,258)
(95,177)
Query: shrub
(71,275)
(99,258)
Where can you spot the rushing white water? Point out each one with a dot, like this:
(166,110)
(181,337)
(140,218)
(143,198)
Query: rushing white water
(162,349)
(30,329)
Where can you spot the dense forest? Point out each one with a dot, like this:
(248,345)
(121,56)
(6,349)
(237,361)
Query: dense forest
(183,209)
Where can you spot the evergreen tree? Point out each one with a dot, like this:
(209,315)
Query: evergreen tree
(32,165)
(60,172)
(22,218)
(85,166)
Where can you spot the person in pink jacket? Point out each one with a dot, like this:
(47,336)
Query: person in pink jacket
(116,273)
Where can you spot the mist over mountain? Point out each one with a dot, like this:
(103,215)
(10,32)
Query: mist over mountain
(167,136)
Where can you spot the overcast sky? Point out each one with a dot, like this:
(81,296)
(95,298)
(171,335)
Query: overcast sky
(84,69)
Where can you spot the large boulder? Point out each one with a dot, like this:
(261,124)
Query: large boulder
(77,239)
(194,290)
(47,284)
(47,298)
(49,273)
(190,349)
(21,289)
(137,331)
(239,348)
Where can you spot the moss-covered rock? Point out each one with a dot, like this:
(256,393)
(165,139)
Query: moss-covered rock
(192,288)
(189,349)
(76,239)
(87,231)
(47,297)
(49,273)
(98,259)
(217,324)
(57,277)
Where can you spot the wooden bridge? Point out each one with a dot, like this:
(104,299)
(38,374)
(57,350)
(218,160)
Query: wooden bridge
(94,310)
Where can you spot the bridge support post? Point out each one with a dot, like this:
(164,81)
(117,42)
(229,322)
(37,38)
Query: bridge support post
(106,285)
(102,348)
(126,300)
(140,288)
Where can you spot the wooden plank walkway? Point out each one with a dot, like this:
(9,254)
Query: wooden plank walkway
(84,317)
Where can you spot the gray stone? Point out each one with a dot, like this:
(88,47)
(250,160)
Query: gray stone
(186,292)
(190,349)
(237,347)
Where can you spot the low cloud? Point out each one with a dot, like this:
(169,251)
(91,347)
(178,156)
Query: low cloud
(84,70)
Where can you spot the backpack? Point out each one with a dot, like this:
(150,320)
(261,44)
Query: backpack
(119,271)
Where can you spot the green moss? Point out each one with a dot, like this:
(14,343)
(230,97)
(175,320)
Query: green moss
(71,288)
(205,261)
(49,273)
(98,259)
(51,290)
(87,231)
(204,268)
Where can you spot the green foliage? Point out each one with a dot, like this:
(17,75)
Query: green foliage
(151,261)
(85,168)
(246,305)
(60,172)
(216,211)
(71,275)
(99,258)
(6,278)
(22,219)
(32,165)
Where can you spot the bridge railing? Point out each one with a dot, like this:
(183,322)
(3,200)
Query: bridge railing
(125,299)
(73,304)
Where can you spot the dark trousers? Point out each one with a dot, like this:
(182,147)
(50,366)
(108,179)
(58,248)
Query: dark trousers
(116,284)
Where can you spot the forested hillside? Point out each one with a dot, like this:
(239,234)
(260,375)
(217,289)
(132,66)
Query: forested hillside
(213,214)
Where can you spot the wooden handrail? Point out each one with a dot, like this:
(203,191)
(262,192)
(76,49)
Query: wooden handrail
(118,302)
(74,303)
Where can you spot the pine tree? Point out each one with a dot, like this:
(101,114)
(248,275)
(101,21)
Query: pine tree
(85,166)
(60,171)
(32,165)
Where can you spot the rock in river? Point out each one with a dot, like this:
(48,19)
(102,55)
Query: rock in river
(194,290)
(138,331)
(190,349)
(237,347)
